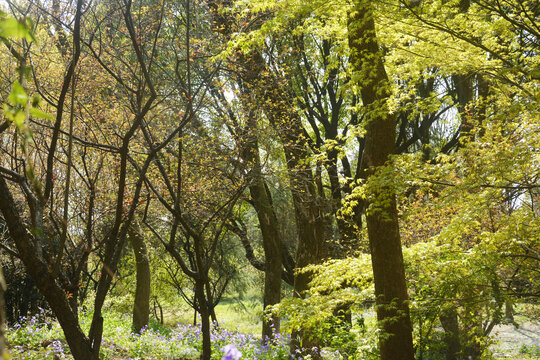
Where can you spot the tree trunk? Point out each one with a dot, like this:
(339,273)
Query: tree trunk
(310,214)
(382,218)
(272,242)
(141,305)
(509,311)
(450,324)
(210,302)
(266,91)
(79,344)
(272,252)
(309,209)
(205,319)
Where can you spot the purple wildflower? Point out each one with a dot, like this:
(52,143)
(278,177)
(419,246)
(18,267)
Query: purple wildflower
(231,353)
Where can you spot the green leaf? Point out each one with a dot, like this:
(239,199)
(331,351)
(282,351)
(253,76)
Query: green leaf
(35,112)
(12,28)
(18,95)
(19,119)
(9,112)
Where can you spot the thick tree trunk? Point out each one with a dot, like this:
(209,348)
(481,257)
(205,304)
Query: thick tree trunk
(261,86)
(79,344)
(382,221)
(272,242)
(309,208)
(271,239)
(141,304)
(310,215)
(309,211)
(272,249)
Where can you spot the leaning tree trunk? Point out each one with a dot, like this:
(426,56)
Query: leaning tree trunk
(382,218)
(78,342)
(141,305)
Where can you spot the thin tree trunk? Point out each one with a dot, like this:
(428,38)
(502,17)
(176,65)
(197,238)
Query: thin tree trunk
(205,320)
(395,341)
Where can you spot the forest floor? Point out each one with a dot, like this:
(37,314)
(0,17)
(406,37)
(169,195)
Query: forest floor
(517,342)
(34,340)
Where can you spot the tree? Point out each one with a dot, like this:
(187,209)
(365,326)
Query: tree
(328,110)
(262,93)
(40,245)
(31,244)
(382,221)
(9,28)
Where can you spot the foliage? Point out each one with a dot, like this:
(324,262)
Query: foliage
(11,28)
(533,350)
(347,284)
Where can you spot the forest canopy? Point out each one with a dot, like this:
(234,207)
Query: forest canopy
(335,158)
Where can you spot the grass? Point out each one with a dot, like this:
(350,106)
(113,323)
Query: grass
(233,314)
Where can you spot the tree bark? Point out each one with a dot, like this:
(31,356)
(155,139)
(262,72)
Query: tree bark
(272,251)
(382,218)
(141,304)
(271,244)
(266,90)
(309,209)
(79,344)
(205,319)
